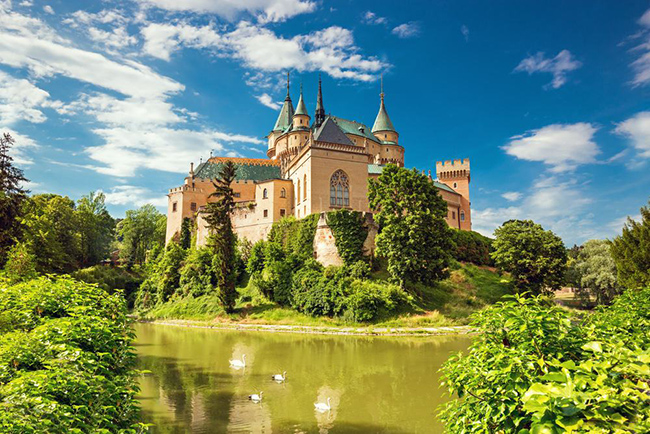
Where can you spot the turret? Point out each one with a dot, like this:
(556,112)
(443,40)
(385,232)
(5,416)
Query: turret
(456,174)
(383,128)
(319,116)
(301,117)
(282,123)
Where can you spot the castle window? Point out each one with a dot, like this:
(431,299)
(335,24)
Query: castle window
(453,215)
(462,216)
(298,191)
(266,213)
(455,185)
(283,212)
(385,136)
(283,193)
(193,206)
(339,189)
(174,206)
(265,194)
(237,194)
(304,194)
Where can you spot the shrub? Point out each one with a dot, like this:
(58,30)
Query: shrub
(472,247)
(349,234)
(275,281)
(534,368)
(111,279)
(317,292)
(21,264)
(359,270)
(197,276)
(66,364)
(368,300)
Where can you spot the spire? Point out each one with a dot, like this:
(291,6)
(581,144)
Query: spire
(300,108)
(286,112)
(319,117)
(382,122)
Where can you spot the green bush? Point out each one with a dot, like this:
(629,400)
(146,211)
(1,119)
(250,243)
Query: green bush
(368,300)
(66,364)
(359,270)
(349,234)
(197,276)
(21,264)
(112,279)
(317,292)
(472,247)
(535,368)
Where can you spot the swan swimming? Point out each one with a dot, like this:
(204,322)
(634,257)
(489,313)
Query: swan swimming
(239,363)
(256,397)
(280,377)
(321,406)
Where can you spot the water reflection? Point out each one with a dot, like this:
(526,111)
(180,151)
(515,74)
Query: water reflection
(374,384)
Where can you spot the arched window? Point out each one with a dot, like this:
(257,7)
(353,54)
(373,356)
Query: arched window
(265,194)
(283,193)
(339,189)
(304,184)
(462,216)
(298,193)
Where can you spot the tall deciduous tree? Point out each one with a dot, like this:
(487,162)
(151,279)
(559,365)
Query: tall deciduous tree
(631,252)
(222,239)
(11,197)
(596,270)
(96,228)
(140,231)
(414,236)
(536,258)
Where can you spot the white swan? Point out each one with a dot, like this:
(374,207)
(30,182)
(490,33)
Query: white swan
(239,363)
(280,377)
(321,406)
(256,397)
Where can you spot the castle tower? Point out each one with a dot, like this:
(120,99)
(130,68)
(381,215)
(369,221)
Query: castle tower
(282,123)
(456,175)
(301,117)
(383,128)
(319,116)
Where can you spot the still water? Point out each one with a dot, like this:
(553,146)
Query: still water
(375,384)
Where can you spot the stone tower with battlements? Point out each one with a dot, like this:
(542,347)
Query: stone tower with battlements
(456,175)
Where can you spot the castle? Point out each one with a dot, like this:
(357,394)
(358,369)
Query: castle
(313,166)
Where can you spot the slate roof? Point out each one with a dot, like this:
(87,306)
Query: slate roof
(286,115)
(382,122)
(251,169)
(300,108)
(352,127)
(330,132)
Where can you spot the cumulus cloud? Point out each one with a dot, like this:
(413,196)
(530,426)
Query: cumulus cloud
(22,100)
(48,9)
(133,195)
(372,18)
(331,50)
(563,147)
(558,66)
(637,129)
(407,30)
(265,10)
(511,196)
(265,99)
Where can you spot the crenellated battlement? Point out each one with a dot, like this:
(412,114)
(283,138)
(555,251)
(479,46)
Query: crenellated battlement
(457,164)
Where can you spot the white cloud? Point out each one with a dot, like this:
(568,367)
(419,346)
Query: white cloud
(558,66)
(26,3)
(561,146)
(266,100)
(637,129)
(265,10)
(21,100)
(48,9)
(465,31)
(331,50)
(372,18)
(407,30)
(132,195)
(641,65)
(511,196)
(22,147)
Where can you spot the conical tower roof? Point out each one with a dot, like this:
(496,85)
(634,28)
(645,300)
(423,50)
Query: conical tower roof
(286,112)
(382,122)
(319,116)
(300,108)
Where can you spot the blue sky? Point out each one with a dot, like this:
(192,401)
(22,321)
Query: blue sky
(549,99)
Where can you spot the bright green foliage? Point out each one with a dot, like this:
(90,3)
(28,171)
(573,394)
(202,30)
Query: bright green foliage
(270,268)
(21,264)
(164,277)
(141,231)
(96,229)
(534,368)
(222,240)
(414,236)
(535,258)
(295,236)
(359,270)
(12,196)
(368,300)
(186,233)
(197,276)
(111,280)
(631,252)
(320,293)
(349,234)
(66,365)
(596,271)
(50,232)
(472,247)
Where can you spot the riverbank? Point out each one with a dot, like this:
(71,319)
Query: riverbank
(371,330)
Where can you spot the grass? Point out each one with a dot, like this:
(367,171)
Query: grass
(449,302)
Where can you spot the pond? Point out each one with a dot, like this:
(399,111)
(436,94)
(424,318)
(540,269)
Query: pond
(374,384)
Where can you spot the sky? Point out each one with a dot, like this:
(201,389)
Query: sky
(548,99)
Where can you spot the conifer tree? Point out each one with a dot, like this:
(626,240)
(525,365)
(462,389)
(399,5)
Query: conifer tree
(222,239)
(11,197)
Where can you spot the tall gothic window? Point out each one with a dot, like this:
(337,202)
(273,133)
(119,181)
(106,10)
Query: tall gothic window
(298,193)
(304,185)
(339,189)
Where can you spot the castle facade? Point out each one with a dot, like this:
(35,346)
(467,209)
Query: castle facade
(314,165)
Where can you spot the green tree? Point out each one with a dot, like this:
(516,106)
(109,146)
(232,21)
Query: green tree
(168,271)
(50,232)
(12,196)
(186,233)
(414,236)
(536,258)
(140,231)
(21,264)
(596,271)
(222,238)
(96,228)
(631,252)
